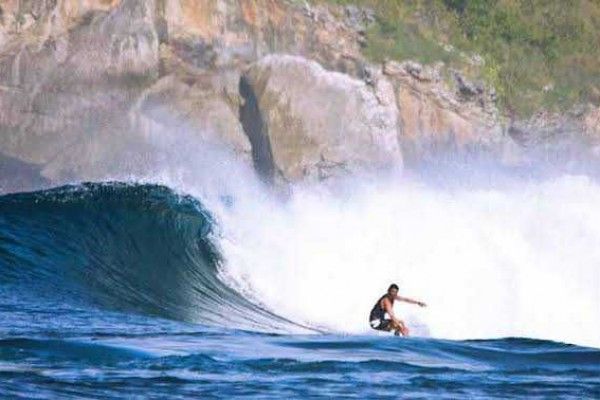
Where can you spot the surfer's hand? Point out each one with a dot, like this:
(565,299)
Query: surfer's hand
(421,304)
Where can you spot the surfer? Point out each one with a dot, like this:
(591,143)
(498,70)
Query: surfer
(385,305)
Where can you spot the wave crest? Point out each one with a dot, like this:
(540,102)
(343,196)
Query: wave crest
(140,248)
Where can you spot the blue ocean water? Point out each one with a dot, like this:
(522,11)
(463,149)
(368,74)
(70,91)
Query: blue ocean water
(112,291)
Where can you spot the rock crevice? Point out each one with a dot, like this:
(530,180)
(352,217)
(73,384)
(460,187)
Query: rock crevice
(256,131)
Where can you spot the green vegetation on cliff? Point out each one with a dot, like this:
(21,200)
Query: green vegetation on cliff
(536,53)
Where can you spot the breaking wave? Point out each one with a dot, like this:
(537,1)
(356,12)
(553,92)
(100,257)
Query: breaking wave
(516,261)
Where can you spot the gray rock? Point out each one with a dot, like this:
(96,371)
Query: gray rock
(466,88)
(359,18)
(317,121)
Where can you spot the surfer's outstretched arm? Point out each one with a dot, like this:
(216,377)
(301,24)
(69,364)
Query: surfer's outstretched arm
(411,301)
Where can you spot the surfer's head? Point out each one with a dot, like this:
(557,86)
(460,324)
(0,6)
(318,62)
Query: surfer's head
(393,290)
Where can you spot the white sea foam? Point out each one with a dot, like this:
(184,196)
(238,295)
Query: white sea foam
(520,261)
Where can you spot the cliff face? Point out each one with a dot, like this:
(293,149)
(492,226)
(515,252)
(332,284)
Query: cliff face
(436,118)
(68,76)
(84,82)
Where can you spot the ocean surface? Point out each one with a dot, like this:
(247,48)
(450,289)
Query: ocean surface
(132,290)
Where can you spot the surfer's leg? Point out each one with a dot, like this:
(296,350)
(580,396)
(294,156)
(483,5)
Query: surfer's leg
(404,329)
(400,328)
(386,325)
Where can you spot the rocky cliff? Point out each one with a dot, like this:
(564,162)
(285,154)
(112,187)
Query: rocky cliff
(318,121)
(281,84)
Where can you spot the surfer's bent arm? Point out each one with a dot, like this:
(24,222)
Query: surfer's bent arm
(411,301)
(387,306)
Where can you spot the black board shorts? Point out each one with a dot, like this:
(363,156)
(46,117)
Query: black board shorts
(381,324)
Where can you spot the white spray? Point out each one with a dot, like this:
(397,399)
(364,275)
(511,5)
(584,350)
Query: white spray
(522,261)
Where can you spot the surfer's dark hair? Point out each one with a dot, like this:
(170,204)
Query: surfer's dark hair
(393,286)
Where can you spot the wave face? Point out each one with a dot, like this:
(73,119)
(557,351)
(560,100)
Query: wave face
(139,248)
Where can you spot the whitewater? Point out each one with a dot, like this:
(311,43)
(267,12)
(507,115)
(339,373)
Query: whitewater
(520,261)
